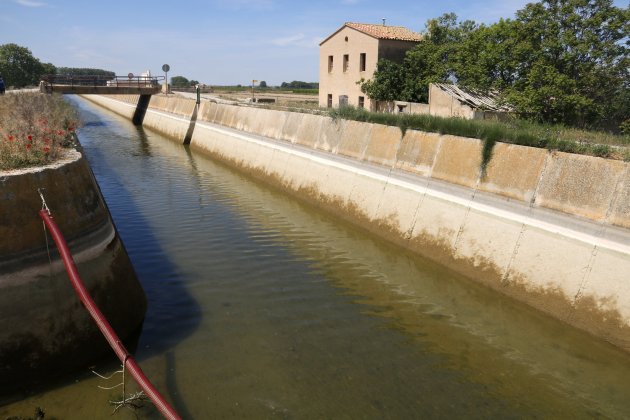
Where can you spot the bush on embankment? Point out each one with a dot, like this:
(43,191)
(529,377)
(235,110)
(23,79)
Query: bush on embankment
(514,131)
(34,129)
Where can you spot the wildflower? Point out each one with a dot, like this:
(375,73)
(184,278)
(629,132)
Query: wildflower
(61,132)
(11,139)
(30,138)
(28,147)
(46,149)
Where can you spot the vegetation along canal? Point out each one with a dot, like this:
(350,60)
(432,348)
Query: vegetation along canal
(262,307)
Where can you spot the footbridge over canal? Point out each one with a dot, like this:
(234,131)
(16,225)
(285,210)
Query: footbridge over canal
(145,86)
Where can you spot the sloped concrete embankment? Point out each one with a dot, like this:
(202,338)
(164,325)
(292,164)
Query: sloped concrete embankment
(44,329)
(547,228)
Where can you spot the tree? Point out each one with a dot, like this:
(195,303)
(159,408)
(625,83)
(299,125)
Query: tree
(564,61)
(574,62)
(433,60)
(179,81)
(262,84)
(18,67)
(486,57)
(48,68)
(85,72)
(193,83)
(297,84)
(387,84)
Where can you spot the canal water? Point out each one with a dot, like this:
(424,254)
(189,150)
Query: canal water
(262,307)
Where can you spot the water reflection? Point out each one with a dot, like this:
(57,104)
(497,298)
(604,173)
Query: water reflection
(162,281)
(518,352)
(141,137)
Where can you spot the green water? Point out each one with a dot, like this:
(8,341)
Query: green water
(261,307)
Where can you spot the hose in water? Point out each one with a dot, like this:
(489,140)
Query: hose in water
(110,335)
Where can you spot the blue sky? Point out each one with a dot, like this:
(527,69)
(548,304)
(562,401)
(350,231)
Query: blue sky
(213,41)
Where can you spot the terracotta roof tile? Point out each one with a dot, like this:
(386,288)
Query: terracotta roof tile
(399,33)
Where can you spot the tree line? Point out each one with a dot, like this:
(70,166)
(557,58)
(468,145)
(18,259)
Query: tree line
(559,61)
(297,84)
(19,68)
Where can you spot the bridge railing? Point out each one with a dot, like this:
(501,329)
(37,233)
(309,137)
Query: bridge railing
(99,80)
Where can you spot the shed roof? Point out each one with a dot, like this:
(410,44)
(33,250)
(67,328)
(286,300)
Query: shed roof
(396,33)
(475,99)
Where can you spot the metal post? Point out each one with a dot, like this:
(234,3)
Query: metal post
(165,69)
(198,94)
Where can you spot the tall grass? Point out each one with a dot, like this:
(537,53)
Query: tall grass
(34,129)
(553,137)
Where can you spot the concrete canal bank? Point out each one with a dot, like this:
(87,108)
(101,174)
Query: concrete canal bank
(549,229)
(44,329)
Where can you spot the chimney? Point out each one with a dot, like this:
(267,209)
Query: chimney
(383,21)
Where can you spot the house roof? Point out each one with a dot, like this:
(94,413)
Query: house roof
(475,99)
(397,33)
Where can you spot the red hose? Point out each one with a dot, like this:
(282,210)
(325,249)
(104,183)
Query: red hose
(110,335)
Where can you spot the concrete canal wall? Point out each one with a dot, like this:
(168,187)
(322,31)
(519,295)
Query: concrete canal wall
(44,329)
(547,228)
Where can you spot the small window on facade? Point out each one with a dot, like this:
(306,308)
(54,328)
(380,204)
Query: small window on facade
(361,101)
(346,61)
(329,103)
(362,62)
(343,100)
(330,63)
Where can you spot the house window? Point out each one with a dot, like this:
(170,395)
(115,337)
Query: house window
(343,100)
(330,63)
(329,103)
(362,62)
(361,101)
(346,61)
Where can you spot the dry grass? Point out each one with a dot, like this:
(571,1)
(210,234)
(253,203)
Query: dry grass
(34,129)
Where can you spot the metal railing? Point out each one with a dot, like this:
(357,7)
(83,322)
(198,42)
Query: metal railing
(100,80)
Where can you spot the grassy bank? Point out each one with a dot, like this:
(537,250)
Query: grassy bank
(34,129)
(552,137)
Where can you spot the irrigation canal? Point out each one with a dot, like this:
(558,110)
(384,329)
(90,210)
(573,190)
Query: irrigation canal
(261,307)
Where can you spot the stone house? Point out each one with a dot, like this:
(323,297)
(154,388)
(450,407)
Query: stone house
(351,53)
